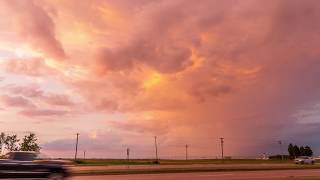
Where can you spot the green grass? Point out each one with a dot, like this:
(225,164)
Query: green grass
(226,161)
(105,162)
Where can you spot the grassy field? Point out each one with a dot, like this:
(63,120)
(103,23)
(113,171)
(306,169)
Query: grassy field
(113,166)
(104,162)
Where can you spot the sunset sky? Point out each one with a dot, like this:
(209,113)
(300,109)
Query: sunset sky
(120,72)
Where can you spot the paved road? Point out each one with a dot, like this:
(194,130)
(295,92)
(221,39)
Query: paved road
(243,175)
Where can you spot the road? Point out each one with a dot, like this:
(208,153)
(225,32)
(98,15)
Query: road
(241,175)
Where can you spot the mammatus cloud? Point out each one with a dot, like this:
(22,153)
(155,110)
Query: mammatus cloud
(189,72)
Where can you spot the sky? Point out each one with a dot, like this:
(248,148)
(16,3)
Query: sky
(189,72)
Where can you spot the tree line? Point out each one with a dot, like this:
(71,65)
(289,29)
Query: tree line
(295,151)
(13,143)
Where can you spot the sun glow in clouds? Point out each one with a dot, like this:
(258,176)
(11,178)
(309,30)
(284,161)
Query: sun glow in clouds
(152,80)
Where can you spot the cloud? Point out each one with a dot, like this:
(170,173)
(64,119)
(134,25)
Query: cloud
(103,141)
(106,105)
(34,26)
(31,97)
(164,59)
(143,126)
(34,92)
(16,101)
(58,100)
(43,112)
(203,92)
(27,91)
(229,68)
(182,69)
(30,67)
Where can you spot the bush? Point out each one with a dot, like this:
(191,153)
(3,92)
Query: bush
(79,161)
(156,162)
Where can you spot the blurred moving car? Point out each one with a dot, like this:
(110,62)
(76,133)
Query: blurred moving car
(304,160)
(22,164)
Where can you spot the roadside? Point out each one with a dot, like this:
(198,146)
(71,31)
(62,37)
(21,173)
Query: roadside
(235,175)
(152,169)
(104,162)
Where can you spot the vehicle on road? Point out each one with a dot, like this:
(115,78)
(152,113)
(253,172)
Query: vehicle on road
(22,164)
(304,160)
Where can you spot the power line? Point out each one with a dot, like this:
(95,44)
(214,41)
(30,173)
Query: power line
(75,154)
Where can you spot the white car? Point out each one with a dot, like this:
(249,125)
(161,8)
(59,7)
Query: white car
(304,160)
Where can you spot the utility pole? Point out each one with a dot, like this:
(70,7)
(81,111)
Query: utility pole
(84,154)
(221,143)
(75,155)
(187,151)
(128,154)
(156,146)
(281,153)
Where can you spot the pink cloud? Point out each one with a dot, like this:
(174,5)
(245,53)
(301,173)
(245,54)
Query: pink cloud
(27,91)
(35,93)
(143,126)
(29,67)
(34,26)
(58,100)
(42,112)
(16,101)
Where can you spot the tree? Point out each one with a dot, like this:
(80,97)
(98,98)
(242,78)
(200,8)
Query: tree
(308,151)
(11,143)
(296,151)
(291,151)
(29,143)
(302,151)
(2,140)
